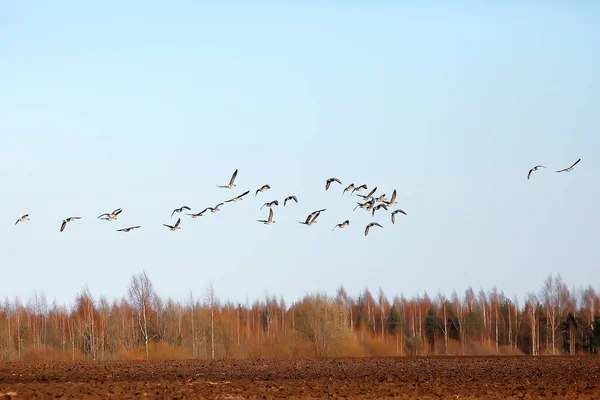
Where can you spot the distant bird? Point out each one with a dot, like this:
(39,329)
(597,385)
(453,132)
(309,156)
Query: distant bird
(238,198)
(292,197)
(174,227)
(367,205)
(381,199)
(378,207)
(128,229)
(330,180)
(198,214)
(268,221)
(359,188)
(67,220)
(349,188)
(571,167)
(312,217)
(23,219)
(215,208)
(231,184)
(342,225)
(270,204)
(394,215)
(393,199)
(534,169)
(178,210)
(112,216)
(369,227)
(263,188)
(368,196)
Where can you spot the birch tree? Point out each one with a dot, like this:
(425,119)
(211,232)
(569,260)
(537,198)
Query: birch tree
(141,295)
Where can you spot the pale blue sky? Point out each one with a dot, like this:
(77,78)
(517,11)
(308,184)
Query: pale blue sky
(148,106)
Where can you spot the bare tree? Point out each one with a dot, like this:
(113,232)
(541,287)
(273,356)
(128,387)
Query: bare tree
(532,305)
(141,295)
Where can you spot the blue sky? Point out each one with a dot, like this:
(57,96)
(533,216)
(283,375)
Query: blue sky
(148,106)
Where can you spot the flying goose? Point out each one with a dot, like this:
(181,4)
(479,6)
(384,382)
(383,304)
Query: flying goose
(378,207)
(328,183)
(367,205)
(174,227)
(534,169)
(342,225)
(23,219)
(292,197)
(215,208)
(270,204)
(369,227)
(128,229)
(368,196)
(178,210)
(231,184)
(394,215)
(263,188)
(65,221)
(268,221)
(393,199)
(198,214)
(112,216)
(570,168)
(349,188)
(238,198)
(312,217)
(381,199)
(359,188)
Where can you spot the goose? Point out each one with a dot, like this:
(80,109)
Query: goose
(378,207)
(268,221)
(394,215)
(23,219)
(367,205)
(359,188)
(369,227)
(349,188)
(292,197)
(263,188)
(67,220)
(238,198)
(198,214)
(368,196)
(231,184)
(270,204)
(112,216)
(534,169)
(178,210)
(570,168)
(342,225)
(128,229)
(174,227)
(393,199)
(312,217)
(215,208)
(381,199)
(328,183)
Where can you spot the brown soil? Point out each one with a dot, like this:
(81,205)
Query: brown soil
(368,378)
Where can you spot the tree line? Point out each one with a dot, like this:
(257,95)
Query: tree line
(142,325)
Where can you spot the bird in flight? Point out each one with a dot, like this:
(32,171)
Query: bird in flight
(270,204)
(571,167)
(23,219)
(215,208)
(342,225)
(199,214)
(312,217)
(238,198)
(381,199)
(330,180)
(393,199)
(534,169)
(369,227)
(359,188)
(394,215)
(128,229)
(231,184)
(174,227)
(292,197)
(348,188)
(368,196)
(263,188)
(112,216)
(67,220)
(178,210)
(378,207)
(268,221)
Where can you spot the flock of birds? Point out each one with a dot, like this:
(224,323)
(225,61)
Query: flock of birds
(370,203)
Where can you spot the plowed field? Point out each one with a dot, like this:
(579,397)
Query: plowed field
(369,378)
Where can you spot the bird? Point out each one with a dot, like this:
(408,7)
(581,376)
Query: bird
(534,169)
(174,227)
(128,229)
(381,199)
(393,199)
(292,197)
(368,196)
(367,205)
(198,214)
(312,217)
(263,188)
(268,221)
(238,198)
(342,225)
(394,215)
(348,188)
(378,207)
(571,167)
(67,220)
(178,210)
(231,184)
(23,219)
(359,188)
(215,208)
(369,227)
(270,204)
(112,216)
(328,183)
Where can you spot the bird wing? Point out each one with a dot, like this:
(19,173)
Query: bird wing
(270,214)
(174,211)
(256,194)
(529,174)
(393,218)
(371,192)
(275,202)
(168,226)
(243,194)
(337,180)
(17,221)
(102,215)
(308,218)
(186,208)
(367,229)
(62,227)
(135,227)
(575,163)
(177,223)
(117,211)
(393,196)
(233,177)
(327,184)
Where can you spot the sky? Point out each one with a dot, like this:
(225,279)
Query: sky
(148,106)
